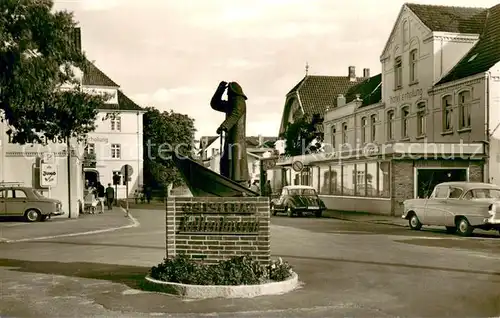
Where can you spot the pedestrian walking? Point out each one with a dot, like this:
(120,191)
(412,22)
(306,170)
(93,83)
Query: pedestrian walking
(110,196)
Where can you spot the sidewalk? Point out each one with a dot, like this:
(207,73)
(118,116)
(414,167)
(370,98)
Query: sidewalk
(365,217)
(11,231)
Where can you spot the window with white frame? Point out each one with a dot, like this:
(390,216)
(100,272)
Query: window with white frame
(390,125)
(344,133)
(421,114)
(364,129)
(373,129)
(405,118)
(398,73)
(333,131)
(116,123)
(464,99)
(90,149)
(413,65)
(116,151)
(447,113)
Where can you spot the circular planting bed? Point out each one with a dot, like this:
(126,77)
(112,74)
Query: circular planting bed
(238,277)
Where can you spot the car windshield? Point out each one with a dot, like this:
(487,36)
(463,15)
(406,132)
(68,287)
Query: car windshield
(38,194)
(483,194)
(302,191)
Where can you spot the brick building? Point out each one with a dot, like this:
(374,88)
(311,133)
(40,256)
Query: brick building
(420,121)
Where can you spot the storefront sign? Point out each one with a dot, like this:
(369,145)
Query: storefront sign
(48,175)
(214,224)
(406,96)
(219,208)
(269,163)
(110,93)
(97,139)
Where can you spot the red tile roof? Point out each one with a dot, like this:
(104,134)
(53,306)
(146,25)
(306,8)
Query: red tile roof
(318,92)
(450,19)
(93,76)
(484,54)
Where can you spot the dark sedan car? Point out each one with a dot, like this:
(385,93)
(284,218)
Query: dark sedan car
(297,200)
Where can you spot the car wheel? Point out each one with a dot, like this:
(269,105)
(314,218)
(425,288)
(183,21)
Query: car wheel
(415,222)
(289,211)
(318,213)
(451,229)
(463,227)
(273,209)
(33,215)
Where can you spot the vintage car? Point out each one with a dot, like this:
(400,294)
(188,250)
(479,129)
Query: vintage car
(459,206)
(27,202)
(296,200)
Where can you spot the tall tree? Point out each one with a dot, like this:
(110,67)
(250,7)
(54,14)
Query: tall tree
(300,135)
(40,92)
(164,133)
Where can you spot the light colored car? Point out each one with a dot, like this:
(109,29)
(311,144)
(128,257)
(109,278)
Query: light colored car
(297,200)
(459,206)
(27,202)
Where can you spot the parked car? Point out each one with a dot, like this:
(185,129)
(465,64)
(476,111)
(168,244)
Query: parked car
(296,200)
(27,202)
(459,206)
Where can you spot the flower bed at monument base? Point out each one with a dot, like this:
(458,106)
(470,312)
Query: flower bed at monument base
(237,277)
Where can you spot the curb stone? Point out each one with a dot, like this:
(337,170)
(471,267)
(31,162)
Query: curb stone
(224,291)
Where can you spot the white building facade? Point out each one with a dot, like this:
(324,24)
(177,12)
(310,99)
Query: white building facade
(118,138)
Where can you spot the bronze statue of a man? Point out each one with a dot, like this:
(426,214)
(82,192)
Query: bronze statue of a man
(233,163)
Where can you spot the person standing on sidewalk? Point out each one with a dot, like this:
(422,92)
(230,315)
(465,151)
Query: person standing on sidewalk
(101,195)
(110,196)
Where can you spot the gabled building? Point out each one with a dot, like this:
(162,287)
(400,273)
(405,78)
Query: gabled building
(315,93)
(118,137)
(430,116)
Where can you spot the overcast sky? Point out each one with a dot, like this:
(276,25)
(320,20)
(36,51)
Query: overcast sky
(171,54)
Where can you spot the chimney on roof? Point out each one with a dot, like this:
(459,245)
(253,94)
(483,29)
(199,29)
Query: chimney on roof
(341,100)
(366,72)
(352,73)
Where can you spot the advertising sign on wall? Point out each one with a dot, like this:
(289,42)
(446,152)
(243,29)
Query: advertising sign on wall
(48,175)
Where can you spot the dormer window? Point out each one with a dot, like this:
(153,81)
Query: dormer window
(398,73)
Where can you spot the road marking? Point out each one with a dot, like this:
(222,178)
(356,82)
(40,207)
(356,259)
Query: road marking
(134,224)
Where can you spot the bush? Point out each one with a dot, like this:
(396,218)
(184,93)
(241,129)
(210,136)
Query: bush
(239,270)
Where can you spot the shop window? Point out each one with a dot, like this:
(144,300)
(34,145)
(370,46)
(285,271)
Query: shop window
(390,125)
(324,180)
(384,179)
(421,123)
(447,113)
(405,118)
(364,130)
(348,179)
(373,131)
(371,179)
(464,99)
(413,66)
(336,180)
(360,179)
(398,73)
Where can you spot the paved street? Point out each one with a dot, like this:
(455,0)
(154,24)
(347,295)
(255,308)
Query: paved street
(348,269)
